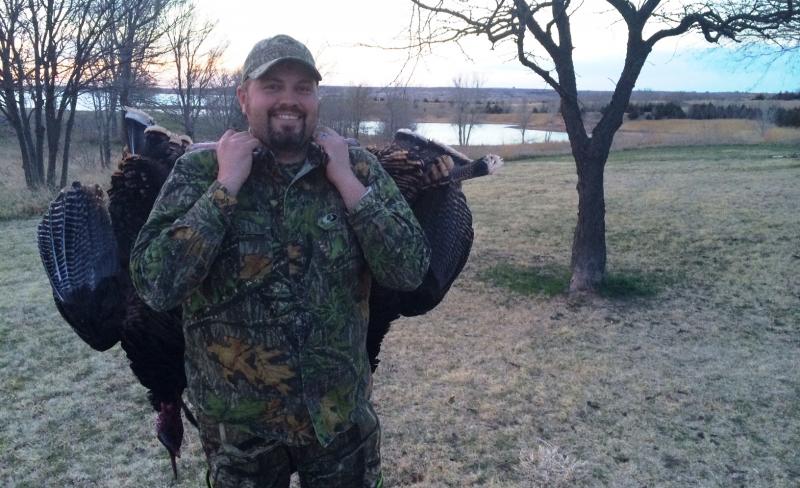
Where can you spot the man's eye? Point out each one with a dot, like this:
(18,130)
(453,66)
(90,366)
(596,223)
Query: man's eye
(305,89)
(272,86)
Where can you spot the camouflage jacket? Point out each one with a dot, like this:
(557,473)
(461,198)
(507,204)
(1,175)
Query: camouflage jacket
(275,286)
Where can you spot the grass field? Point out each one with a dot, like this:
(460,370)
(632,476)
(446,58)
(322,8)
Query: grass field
(685,373)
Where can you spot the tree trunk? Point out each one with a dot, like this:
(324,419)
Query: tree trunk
(67,141)
(588,263)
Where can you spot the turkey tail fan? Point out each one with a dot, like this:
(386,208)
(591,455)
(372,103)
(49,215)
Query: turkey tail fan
(79,253)
(153,342)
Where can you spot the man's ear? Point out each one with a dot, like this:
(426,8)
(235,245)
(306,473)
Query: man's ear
(241,94)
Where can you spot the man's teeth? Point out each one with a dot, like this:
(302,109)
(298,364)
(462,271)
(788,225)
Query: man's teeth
(287,116)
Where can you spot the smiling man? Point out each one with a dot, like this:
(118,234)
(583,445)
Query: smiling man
(269,243)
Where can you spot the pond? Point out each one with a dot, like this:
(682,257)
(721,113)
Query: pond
(482,134)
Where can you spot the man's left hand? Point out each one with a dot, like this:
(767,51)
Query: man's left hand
(440,170)
(335,147)
(338,169)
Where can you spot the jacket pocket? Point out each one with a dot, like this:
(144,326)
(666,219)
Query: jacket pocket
(337,243)
(254,244)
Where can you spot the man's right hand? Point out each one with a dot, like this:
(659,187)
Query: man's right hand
(235,159)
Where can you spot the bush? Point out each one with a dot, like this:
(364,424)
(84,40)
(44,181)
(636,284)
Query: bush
(650,111)
(706,111)
(787,117)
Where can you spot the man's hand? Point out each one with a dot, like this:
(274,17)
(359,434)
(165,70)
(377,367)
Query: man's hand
(235,159)
(335,146)
(440,170)
(338,170)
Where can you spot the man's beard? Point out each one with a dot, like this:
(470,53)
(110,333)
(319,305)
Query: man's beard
(286,140)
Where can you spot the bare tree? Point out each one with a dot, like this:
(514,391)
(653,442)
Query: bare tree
(222,110)
(397,112)
(195,63)
(466,105)
(133,48)
(541,31)
(345,110)
(524,115)
(357,101)
(332,112)
(46,50)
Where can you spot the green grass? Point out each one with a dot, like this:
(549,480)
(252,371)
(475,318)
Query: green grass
(549,280)
(552,279)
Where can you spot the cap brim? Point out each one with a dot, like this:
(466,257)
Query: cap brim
(262,70)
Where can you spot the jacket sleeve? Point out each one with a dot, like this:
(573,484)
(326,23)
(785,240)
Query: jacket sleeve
(182,235)
(393,243)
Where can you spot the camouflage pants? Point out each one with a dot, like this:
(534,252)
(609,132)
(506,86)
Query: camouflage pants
(237,459)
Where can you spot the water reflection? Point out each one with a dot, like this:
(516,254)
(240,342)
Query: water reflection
(482,134)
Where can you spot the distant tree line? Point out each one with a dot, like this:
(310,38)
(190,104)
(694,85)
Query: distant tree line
(706,111)
(655,111)
(779,96)
(652,111)
(783,117)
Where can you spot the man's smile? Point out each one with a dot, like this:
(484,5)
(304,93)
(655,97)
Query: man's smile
(287,116)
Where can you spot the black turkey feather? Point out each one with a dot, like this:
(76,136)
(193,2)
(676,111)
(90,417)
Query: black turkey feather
(85,248)
(79,253)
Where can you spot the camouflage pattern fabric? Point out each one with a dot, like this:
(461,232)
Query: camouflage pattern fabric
(274,286)
(240,460)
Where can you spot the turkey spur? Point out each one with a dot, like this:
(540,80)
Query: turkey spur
(85,245)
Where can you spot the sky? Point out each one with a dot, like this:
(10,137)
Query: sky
(352,41)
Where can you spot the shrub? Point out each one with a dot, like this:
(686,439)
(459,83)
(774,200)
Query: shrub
(787,117)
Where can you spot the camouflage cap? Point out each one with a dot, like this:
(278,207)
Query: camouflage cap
(271,51)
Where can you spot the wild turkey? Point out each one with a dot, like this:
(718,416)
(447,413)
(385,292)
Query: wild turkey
(85,249)
(442,211)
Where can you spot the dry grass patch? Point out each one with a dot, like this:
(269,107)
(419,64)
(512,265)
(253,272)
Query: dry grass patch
(683,132)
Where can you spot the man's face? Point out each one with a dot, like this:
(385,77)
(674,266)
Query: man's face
(282,106)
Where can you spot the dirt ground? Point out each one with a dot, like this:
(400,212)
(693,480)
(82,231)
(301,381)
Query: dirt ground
(684,375)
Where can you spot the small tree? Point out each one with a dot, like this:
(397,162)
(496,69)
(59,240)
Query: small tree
(196,64)
(346,110)
(466,94)
(397,112)
(524,116)
(222,110)
(357,100)
(541,32)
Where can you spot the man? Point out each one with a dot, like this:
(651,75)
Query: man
(271,257)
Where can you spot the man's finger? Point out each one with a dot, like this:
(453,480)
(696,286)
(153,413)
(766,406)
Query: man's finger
(448,161)
(444,171)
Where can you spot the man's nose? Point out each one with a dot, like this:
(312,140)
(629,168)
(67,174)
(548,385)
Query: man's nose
(288,98)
